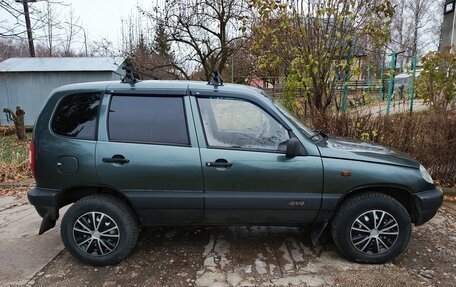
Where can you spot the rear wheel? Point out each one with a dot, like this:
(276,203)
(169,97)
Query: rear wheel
(99,230)
(371,228)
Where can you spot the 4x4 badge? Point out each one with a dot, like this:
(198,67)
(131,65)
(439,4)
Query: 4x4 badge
(296,203)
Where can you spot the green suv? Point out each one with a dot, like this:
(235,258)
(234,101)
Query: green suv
(132,154)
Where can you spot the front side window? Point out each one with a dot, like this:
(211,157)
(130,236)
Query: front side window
(148,119)
(235,123)
(306,130)
(76,116)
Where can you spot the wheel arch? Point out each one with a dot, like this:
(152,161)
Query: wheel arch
(401,194)
(74,194)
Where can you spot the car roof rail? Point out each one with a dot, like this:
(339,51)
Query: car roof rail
(215,79)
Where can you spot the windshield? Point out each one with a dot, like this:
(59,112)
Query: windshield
(302,127)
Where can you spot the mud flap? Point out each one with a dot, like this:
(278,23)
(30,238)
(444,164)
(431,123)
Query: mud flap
(315,235)
(47,223)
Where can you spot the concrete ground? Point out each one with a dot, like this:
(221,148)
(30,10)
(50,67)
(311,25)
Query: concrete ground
(220,256)
(396,107)
(22,252)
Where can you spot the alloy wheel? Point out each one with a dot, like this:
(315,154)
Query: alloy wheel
(374,232)
(96,233)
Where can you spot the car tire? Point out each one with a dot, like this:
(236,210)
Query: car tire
(99,230)
(371,228)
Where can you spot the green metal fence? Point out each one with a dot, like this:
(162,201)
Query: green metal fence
(385,87)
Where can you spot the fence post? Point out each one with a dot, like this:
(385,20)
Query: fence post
(347,77)
(391,81)
(368,79)
(380,93)
(344,101)
(412,90)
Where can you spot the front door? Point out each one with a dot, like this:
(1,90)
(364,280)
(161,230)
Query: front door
(147,151)
(247,177)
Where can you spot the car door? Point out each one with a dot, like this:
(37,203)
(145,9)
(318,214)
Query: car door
(247,177)
(147,150)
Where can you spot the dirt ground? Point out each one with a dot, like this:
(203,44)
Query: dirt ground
(261,256)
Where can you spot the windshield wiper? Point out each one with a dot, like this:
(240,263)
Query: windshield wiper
(319,133)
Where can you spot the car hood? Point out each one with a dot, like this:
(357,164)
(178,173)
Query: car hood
(345,148)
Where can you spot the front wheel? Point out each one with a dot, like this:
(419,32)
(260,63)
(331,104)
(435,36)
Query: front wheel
(99,230)
(371,228)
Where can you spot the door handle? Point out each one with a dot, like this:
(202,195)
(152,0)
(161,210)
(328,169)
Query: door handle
(118,158)
(220,163)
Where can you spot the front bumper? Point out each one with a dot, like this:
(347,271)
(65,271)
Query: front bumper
(46,204)
(427,203)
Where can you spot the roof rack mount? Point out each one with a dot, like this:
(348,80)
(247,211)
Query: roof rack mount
(129,76)
(215,79)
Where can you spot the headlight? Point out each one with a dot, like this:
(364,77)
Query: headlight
(425,174)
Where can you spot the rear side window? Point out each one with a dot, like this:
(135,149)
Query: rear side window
(148,119)
(76,116)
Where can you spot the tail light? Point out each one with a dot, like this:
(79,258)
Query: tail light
(32,157)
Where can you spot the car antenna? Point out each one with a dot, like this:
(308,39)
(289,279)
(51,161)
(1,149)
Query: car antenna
(215,79)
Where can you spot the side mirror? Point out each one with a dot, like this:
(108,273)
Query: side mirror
(294,148)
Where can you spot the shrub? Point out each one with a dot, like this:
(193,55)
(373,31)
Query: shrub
(437,82)
(430,137)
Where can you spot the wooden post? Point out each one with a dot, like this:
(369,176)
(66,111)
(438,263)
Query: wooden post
(28,26)
(18,119)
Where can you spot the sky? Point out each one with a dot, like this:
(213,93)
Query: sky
(102,18)
(99,18)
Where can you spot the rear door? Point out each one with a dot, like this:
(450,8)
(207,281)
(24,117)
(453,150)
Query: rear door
(147,150)
(248,179)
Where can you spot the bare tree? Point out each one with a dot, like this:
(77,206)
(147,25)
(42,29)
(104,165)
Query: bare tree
(400,37)
(102,48)
(147,49)
(47,27)
(71,28)
(13,48)
(20,27)
(420,17)
(241,64)
(435,29)
(13,25)
(12,9)
(203,31)
(416,27)
(52,28)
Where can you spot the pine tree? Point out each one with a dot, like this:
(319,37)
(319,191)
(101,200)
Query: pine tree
(161,45)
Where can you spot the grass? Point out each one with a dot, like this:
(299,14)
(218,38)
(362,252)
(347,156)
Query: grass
(13,150)
(14,158)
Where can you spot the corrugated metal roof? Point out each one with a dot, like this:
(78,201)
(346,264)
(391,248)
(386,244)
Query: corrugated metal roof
(62,64)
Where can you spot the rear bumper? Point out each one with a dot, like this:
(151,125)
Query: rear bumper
(427,203)
(45,202)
